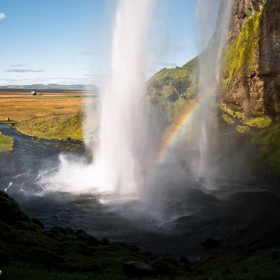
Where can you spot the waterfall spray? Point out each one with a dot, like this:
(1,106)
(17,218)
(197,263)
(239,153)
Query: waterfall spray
(209,71)
(118,159)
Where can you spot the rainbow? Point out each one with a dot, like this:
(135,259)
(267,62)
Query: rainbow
(174,131)
(184,119)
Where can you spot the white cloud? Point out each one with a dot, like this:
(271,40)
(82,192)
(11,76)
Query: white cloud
(2,16)
(19,65)
(24,70)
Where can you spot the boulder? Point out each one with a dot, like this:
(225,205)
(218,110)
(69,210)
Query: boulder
(137,269)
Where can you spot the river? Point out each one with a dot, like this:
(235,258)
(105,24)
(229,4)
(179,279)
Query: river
(242,215)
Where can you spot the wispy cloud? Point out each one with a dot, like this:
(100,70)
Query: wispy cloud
(2,16)
(24,71)
(85,53)
(19,65)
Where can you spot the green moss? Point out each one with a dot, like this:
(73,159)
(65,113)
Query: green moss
(227,119)
(6,143)
(241,56)
(243,129)
(258,122)
(267,151)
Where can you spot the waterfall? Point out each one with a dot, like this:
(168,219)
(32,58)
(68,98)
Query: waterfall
(118,162)
(209,71)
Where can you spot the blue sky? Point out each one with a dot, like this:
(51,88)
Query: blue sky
(68,41)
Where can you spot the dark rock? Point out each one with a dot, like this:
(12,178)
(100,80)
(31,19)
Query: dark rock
(59,228)
(183,259)
(210,243)
(147,253)
(104,241)
(137,269)
(70,231)
(163,268)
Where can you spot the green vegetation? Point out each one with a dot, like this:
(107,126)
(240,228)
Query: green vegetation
(165,89)
(258,122)
(241,56)
(28,251)
(6,143)
(54,127)
(267,151)
(227,119)
(243,128)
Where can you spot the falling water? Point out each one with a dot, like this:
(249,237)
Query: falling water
(118,159)
(209,69)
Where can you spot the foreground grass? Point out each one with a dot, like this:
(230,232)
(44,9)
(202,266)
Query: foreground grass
(6,143)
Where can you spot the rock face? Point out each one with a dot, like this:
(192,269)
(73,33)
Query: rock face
(269,57)
(251,65)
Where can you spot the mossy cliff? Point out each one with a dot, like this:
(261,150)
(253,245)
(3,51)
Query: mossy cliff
(251,69)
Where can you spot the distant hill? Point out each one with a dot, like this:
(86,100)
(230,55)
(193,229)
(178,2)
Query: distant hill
(53,87)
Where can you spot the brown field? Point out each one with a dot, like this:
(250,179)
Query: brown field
(19,106)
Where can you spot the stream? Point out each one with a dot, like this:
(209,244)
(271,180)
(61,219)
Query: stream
(242,215)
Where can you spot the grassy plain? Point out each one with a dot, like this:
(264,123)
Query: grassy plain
(21,106)
(52,115)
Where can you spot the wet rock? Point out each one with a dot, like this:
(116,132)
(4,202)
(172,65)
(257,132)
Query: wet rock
(210,243)
(137,269)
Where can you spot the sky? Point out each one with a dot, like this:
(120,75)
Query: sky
(68,41)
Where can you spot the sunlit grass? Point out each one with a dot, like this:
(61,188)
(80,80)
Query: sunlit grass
(23,107)
(6,143)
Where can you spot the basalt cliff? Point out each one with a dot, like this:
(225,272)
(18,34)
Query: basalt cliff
(251,66)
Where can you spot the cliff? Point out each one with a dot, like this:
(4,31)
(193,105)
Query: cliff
(251,68)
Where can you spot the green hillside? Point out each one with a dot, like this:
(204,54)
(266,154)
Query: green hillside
(165,89)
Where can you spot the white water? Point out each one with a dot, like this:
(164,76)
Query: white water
(209,69)
(122,132)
